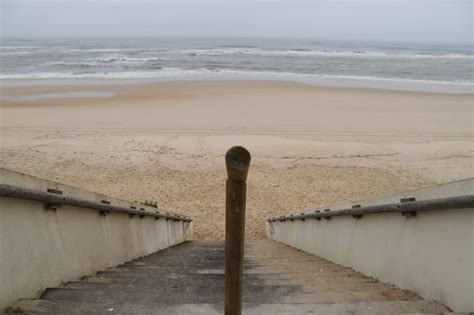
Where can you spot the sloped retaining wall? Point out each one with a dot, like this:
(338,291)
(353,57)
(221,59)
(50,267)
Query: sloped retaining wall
(52,233)
(429,251)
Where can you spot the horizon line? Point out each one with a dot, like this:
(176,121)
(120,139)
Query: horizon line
(302,38)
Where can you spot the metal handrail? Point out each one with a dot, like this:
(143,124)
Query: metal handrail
(53,198)
(408,207)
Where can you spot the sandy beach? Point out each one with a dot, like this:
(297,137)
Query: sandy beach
(165,141)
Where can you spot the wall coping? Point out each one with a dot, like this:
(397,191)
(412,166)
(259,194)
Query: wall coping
(408,203)
(53,195)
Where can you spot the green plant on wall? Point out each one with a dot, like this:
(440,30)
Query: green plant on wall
(150,203)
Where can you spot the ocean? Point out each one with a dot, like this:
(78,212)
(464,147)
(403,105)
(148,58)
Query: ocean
(431,67)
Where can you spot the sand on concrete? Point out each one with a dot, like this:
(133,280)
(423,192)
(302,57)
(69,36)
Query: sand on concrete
(166,141)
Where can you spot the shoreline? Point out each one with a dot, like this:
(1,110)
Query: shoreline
(370,83)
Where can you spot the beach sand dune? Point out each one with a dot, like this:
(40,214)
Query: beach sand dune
(311,146)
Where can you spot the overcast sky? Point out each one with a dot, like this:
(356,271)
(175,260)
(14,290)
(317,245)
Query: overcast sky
(390,20)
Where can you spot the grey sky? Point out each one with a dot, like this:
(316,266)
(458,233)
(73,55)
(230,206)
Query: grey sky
(403,20)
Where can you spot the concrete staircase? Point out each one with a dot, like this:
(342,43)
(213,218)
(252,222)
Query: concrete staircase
(189,279)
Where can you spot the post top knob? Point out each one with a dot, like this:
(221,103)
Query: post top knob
(237,160)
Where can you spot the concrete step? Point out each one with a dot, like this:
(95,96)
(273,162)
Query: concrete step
(189,279)
(147,272)
(250,286)
(217,279)
(139,307)
(264,294)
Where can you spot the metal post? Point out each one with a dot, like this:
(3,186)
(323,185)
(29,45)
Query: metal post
(237,163)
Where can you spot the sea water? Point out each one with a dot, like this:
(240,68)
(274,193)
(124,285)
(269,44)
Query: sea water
(431,67)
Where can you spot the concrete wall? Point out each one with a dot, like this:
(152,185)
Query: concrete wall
(42,248)
(431,254)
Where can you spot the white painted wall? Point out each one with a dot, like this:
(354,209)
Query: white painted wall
(431,254)
(40,248)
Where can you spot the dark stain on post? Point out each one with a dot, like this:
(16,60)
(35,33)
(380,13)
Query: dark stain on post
(237,163)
